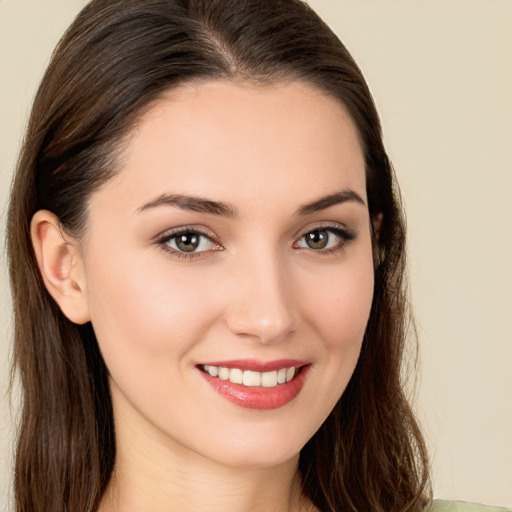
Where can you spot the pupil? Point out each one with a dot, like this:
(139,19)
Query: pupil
(187,242)
(317,239)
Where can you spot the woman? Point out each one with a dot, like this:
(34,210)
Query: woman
(207,252)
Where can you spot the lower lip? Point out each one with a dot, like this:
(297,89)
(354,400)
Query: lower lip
(258,397)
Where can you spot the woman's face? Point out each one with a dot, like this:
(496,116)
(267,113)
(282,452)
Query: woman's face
(234,241)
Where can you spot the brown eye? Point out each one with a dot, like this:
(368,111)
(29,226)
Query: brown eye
(325,239)
(187,242)
(317,239)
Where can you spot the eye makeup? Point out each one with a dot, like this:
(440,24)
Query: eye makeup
(188,242)
(326,239)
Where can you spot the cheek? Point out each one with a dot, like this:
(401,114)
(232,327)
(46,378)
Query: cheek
(340,304)
(142,311)
(336,302)
(338,309)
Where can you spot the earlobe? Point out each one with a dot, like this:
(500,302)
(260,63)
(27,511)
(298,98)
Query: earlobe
(60,265)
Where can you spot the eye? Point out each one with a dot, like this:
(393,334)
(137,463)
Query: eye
(188,241)
(325,238)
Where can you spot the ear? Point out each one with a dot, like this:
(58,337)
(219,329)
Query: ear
(60,265)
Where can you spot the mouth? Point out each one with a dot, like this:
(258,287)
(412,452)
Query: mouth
(251,378)
(254,385)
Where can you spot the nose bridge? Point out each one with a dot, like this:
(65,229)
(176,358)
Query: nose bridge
(261,305)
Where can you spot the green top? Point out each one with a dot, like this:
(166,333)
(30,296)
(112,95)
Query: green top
(463,506)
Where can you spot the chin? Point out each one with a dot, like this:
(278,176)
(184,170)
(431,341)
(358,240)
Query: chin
(258,459)
(267,447)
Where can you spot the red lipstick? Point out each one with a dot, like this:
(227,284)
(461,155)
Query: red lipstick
(257,397)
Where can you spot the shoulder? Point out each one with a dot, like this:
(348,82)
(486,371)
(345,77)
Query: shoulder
(462,506)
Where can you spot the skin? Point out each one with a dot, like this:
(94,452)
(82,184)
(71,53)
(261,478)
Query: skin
(255,291)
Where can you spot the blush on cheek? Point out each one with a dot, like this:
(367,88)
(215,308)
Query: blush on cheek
(152,314)
(344,308)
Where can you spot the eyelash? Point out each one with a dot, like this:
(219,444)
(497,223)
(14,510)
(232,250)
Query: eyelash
(345,235)
(164,240)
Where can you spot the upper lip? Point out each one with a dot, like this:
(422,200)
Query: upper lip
(256,365)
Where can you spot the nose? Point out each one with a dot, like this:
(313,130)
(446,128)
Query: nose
(261,304)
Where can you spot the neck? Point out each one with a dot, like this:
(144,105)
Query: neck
(202,490)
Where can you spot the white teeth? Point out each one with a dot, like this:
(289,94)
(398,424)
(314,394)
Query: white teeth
(290,373)
(251,378)
(236,376)
(269,379)
(223,374)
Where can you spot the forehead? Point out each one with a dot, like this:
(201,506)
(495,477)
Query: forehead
(239,143)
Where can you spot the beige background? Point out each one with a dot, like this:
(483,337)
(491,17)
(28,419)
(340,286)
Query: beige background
(441,73)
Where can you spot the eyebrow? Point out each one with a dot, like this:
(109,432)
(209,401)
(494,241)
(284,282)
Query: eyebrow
(203,205)
(331,200)
(191,203)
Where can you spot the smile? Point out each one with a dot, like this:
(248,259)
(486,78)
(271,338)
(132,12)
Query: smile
(254,384)
(251,378)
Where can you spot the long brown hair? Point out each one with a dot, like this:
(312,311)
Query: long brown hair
(116,58)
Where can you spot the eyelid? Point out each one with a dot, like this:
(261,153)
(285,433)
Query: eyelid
(185,228)
(345,234)
(162,241)
(334,226)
